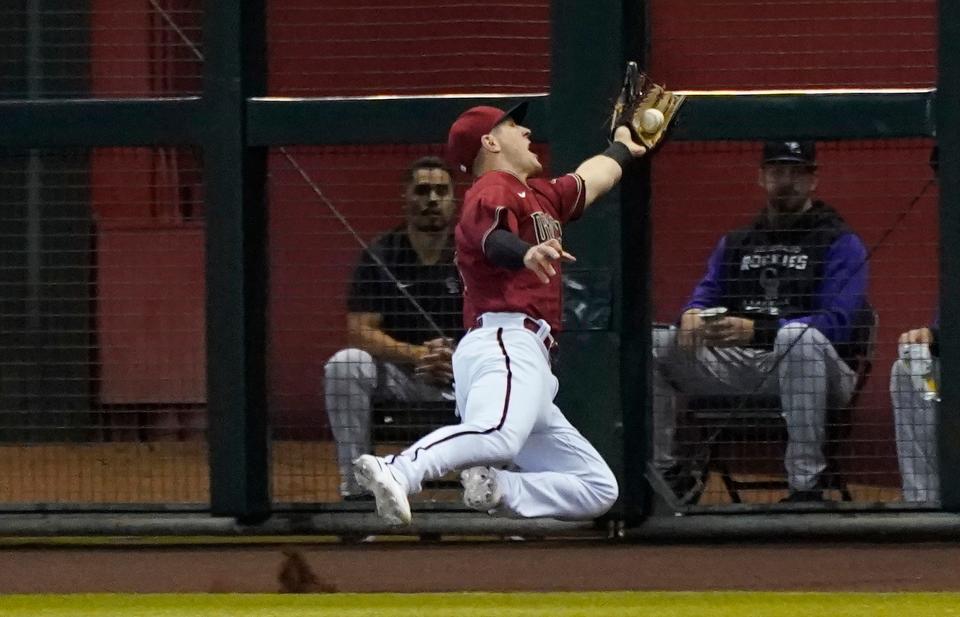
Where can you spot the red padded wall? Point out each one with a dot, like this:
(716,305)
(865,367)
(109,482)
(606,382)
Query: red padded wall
(375,47)
(148,217)
(738,44)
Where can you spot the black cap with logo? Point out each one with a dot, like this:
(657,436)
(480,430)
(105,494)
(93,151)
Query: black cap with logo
(795,152)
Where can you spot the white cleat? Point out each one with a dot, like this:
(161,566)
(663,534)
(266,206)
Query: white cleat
(480,488)
(392,503)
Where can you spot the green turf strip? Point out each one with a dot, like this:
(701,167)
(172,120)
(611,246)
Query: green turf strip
(610,604)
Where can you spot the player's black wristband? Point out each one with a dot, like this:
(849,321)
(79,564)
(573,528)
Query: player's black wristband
(619,152)
(505,250)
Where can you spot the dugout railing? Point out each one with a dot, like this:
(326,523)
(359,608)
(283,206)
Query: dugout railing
(237,127)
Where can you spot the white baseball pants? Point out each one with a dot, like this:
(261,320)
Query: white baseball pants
(505,391)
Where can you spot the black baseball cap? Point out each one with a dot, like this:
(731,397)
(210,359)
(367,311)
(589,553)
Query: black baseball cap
(800,152)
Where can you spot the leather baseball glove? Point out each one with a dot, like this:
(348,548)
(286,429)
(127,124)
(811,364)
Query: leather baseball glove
(645,107)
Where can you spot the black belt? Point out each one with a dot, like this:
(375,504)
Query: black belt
(534,326)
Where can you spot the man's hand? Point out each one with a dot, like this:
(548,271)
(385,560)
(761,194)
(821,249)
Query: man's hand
(920,335)
(690,325)
(727,332)
(436,364)
(623,135)
(540,257)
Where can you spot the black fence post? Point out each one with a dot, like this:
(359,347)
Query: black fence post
(234,69)
(948,138)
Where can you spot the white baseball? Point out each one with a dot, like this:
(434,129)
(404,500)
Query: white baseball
(652,120)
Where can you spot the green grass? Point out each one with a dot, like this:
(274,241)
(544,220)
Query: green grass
(611,604)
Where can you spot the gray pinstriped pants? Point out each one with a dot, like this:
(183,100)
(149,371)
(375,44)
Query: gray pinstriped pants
(352,378)
(915,421)
(809,379)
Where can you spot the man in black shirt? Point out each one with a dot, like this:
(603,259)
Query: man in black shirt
(395,352)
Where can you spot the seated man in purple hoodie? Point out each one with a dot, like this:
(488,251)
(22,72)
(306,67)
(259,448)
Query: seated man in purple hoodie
(784,295)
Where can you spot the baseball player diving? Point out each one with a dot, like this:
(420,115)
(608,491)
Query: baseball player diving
(509,253)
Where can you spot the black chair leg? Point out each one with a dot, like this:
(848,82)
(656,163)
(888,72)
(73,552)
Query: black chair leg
(729,483)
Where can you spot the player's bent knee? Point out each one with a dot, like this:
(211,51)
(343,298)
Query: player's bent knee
(792,332)
(799,339)
(605,491)
(348,362)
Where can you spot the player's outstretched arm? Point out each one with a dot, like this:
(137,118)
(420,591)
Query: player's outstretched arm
(601,173)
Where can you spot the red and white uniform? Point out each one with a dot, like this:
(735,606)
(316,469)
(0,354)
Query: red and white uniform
(536,212)
(504,385)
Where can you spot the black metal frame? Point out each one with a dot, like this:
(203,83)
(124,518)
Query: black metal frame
(234,123)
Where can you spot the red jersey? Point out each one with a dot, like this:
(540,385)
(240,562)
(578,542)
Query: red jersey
(535,212)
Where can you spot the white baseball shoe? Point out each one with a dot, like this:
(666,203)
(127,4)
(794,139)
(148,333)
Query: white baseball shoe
(480,488)
(392,504)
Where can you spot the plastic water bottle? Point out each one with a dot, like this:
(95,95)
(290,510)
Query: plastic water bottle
(920,364)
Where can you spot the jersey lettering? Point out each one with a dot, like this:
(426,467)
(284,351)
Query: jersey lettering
(756,261)
(545,227)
